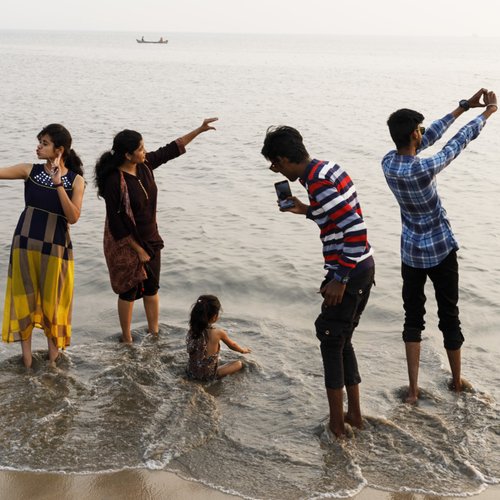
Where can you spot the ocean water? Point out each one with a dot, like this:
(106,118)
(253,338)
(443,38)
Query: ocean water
(260,433)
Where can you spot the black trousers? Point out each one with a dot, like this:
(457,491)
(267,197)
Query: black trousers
(335,327)
(444,277)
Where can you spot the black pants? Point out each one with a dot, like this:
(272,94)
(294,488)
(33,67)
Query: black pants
(335,327)
(444,277)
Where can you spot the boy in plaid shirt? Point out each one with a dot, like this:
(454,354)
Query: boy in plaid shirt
(428,247)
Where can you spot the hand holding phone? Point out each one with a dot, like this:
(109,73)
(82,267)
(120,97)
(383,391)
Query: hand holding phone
(284,192)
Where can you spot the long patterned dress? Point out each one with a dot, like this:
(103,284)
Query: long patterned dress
(41,268)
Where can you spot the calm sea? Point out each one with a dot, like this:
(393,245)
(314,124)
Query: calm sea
(260,433)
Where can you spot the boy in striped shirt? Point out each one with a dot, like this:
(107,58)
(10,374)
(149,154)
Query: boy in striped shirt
(348,259)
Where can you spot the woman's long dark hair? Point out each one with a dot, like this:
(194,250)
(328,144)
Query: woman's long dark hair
(126,141)
(203,310)
(60,136)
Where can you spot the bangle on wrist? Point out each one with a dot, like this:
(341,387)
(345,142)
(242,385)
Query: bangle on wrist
(492,104)
(59,185)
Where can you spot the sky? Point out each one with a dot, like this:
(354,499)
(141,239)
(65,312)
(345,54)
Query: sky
(340,17)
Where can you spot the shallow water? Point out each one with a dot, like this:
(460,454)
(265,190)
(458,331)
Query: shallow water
(261,432)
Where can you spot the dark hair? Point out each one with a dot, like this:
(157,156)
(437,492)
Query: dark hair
(285,142)
(60,136)
(401,125)
(203,310)
(126,141)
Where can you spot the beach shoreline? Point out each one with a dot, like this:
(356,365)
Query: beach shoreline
(137,484)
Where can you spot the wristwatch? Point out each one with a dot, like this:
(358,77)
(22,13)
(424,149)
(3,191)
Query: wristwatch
(341,279)
(464,104)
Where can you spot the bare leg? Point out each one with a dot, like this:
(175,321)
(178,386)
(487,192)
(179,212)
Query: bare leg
(26,349)
(152,309)
(353,415)
(53,351)
(412,360)
(454,357)
(336,403)
(229,368)
(125,309)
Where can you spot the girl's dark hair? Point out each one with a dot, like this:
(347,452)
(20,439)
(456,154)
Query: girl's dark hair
(60,136)
(126,141)
(203,310)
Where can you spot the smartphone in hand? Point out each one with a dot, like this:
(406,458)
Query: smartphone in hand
(283,192)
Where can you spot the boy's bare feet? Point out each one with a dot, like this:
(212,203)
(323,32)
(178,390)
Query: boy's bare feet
(353,420)
(412,396)
(341,433)
(464,386)
(337,431)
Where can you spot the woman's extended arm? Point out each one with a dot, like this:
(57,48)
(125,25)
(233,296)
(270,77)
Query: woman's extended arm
(176,148)
(186,139)
(19,171)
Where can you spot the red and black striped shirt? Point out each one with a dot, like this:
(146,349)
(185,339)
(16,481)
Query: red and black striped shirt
(335,208)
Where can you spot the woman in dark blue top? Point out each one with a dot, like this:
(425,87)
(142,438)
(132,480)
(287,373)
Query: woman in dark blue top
(41,273)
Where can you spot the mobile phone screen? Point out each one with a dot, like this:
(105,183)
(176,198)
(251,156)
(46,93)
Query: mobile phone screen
(283,192)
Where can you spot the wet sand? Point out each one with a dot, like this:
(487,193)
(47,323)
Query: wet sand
(150,485)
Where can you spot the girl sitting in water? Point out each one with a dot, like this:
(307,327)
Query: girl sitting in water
(203,342)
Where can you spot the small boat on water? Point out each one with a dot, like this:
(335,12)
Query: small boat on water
(161,40)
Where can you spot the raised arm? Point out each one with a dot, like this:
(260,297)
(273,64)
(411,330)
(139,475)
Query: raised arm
(232,344)
(19,171)
(467,133)
(473,102)
(489,102)
(186,139)
(176,148)
(436,130)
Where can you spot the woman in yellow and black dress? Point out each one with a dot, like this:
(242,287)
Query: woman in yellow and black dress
(41,274)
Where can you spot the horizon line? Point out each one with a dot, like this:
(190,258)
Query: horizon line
(384,35)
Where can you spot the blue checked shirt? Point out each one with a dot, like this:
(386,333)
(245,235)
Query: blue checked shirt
(426,237)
